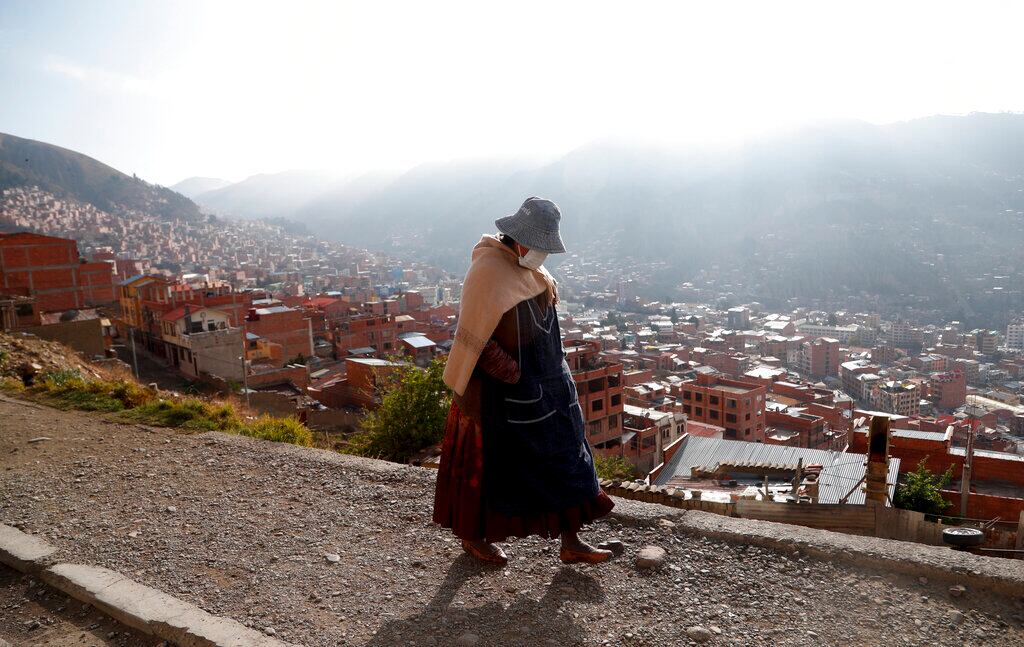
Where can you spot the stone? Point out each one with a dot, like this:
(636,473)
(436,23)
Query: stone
(332,558)
(171,508)
(614,545)
(468,639)
(39,439)
(957,590)
(666,523)
(699,634)
(270,631)
(923,580)
(650,557)
(955,617)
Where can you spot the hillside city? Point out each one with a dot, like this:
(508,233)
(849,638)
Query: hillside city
(306,327)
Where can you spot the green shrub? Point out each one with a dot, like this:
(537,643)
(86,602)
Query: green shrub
(615,468)
(920,490)
(189,413)
(411,416)
(61,379)
(279,430)
(11,385)
(68,389)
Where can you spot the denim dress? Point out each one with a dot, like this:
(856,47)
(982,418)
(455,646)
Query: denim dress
(536,456)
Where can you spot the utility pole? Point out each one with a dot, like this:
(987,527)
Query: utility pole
(135,356)
(245,371)
(965,478)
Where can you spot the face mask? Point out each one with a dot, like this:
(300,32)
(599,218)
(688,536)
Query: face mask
(533,259)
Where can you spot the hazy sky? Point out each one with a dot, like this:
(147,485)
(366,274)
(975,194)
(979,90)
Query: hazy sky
(173,89)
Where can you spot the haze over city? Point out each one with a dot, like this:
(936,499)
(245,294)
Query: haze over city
(232,89)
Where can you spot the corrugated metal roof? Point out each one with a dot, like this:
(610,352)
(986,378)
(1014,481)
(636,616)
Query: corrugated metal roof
(987,453)
(840,471)
(418,341)
(919,435)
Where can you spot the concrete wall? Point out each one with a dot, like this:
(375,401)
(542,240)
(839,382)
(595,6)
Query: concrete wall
(85,336)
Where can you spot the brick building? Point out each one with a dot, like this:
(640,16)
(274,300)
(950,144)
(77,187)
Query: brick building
(949,389)
(647,432)
(997,479)
(736,405)
(821,357)
(50,270)
(282,326)
(600,391)
(903,398)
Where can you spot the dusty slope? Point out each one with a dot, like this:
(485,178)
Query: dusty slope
(241,528)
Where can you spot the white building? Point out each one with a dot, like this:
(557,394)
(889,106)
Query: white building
(1015,334)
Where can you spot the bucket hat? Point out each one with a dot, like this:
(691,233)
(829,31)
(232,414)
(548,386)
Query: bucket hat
(535,226)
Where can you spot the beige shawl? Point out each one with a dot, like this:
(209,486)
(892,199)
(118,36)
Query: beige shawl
(494,284)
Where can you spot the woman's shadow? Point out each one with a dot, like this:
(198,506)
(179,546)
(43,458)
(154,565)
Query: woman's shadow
(525,621)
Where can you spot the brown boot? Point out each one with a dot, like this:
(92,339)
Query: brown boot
(584,553)
(485,552)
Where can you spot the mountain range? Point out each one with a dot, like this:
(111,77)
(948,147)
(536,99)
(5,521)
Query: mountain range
(831,208)
(926,213)
(66,173)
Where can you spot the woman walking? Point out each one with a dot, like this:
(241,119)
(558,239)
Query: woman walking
(515,461)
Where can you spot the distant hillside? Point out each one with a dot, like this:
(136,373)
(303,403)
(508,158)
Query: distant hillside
(929,211)
(269,195)
(66,173)
(195,186)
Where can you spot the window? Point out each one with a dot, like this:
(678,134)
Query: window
(23,309)
(698,411)
(731,403)
(616,400)
(686,409)
(613,422)
(700,396)
(746,432)
(714,413)
(730,417)
(597,405)
(713,399)
(595,428)
(746,402)
(687,395)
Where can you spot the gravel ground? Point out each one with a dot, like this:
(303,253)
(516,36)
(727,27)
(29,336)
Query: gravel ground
(323,549)
(33,614)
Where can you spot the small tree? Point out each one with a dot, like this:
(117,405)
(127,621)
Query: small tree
(413,407)
(615,468)
(921,490)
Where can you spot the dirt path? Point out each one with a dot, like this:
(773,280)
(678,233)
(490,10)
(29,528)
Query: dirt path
(34,615)
(242,528)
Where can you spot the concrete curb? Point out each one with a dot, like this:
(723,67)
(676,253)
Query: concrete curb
(135,605)
(937,563)
(23,552)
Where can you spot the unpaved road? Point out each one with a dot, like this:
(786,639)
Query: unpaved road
(241,528)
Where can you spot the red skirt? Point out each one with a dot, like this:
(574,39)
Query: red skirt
(458,498)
